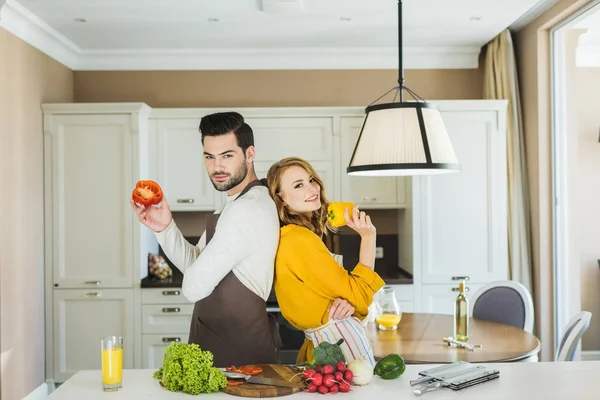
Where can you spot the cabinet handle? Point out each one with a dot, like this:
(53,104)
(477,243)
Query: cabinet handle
(93,294)
(460,278)
(171,293)
(455,289)
(189,201)
(368,199)
(171,310)
(171,339)
(97,283)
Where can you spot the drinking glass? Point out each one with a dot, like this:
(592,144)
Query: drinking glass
(112,363)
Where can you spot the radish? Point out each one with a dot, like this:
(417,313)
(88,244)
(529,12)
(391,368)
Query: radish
(338,376)
(309,373)
(318,368)
(328,380)
(317,379)
(327,369)
(312,388)
(323,389)
(340,366)
(344,386)
(348,375)
(334,389)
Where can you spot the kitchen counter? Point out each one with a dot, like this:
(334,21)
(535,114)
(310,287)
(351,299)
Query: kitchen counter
(171,282)
(543,380)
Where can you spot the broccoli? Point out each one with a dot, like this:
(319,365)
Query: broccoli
(326,354)
(187,368)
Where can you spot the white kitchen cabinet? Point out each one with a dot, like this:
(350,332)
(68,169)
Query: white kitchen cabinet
(153,348)
(463,215)
(439,299)
(81,319)
(276,137)
(90,170)
(367,191)
(166,318)
(180,165)
(95,248)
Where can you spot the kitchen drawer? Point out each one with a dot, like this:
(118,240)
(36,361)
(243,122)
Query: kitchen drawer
(166,318)
(153,347)
(404,292)
(163,296)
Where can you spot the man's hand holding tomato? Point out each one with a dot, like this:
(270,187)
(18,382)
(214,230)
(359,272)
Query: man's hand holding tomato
(144,199)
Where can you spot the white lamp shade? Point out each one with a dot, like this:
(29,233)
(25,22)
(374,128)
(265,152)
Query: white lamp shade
(403,139)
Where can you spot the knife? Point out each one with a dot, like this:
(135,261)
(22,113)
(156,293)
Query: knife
(259,380)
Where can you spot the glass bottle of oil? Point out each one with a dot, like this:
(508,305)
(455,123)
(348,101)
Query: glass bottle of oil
(461,314)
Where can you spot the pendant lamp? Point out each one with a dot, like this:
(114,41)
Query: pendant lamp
(402,138)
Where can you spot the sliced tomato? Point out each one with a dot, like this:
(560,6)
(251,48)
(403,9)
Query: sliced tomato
(251,370)
(147,193)
(235,383)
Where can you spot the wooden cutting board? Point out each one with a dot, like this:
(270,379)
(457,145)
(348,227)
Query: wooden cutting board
(275,371)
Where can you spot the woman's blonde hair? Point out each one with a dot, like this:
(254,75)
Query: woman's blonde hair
(318,221)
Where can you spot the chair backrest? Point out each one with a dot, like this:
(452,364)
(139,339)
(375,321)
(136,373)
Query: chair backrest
(573,333)
(507,302)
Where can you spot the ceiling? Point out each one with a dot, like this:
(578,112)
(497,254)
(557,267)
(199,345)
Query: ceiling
(262,34)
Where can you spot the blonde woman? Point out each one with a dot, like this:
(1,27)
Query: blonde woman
(308,279)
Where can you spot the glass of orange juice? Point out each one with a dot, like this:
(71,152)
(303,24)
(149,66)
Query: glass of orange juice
(388,311)
(112,363)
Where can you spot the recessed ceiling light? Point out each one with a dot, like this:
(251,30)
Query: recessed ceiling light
(476,18)
(213,20)
(345,19)
(80,19)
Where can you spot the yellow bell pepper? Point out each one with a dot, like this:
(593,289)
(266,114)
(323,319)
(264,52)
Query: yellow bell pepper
(335,213)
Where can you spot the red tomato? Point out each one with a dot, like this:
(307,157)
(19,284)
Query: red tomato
(147,193)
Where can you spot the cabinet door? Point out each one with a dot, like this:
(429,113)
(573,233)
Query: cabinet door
(81,319)
(308,138)
(153,348)
(367,191)
(464,215)
(439,299)
(181,171)
(89,164)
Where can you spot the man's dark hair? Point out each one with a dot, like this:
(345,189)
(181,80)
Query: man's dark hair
(226,122)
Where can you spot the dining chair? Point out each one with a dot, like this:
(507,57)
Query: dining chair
(507,302)
(573,333)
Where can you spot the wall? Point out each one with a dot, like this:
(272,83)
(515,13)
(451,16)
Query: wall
(582,88)
(270,88)
(532,46)
(27,78)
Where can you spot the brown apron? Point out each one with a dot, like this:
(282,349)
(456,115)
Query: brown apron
(232,322)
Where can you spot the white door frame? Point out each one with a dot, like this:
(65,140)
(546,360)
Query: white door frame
(561,279)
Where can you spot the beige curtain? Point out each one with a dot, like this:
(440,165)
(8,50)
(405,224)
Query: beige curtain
(501,83)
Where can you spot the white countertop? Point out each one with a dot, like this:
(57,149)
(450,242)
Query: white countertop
(530,381)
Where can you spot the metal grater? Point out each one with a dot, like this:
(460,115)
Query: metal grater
(455,376)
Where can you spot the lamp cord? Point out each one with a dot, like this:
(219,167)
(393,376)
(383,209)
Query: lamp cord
(400,65)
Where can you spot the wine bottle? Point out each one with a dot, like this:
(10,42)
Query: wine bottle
(461,314)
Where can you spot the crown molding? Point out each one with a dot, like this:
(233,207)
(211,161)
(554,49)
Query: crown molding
(28,27)
(541,7)
(31,29)
(280,59)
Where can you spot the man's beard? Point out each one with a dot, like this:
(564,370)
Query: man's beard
(233,181)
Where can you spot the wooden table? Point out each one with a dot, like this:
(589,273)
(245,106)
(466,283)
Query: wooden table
(418,339)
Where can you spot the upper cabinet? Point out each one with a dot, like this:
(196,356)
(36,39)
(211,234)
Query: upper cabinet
(463,216)
(180,164)
(367,192)
(92,162)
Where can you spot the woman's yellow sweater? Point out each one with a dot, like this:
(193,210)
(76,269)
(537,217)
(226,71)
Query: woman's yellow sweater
(308,279)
